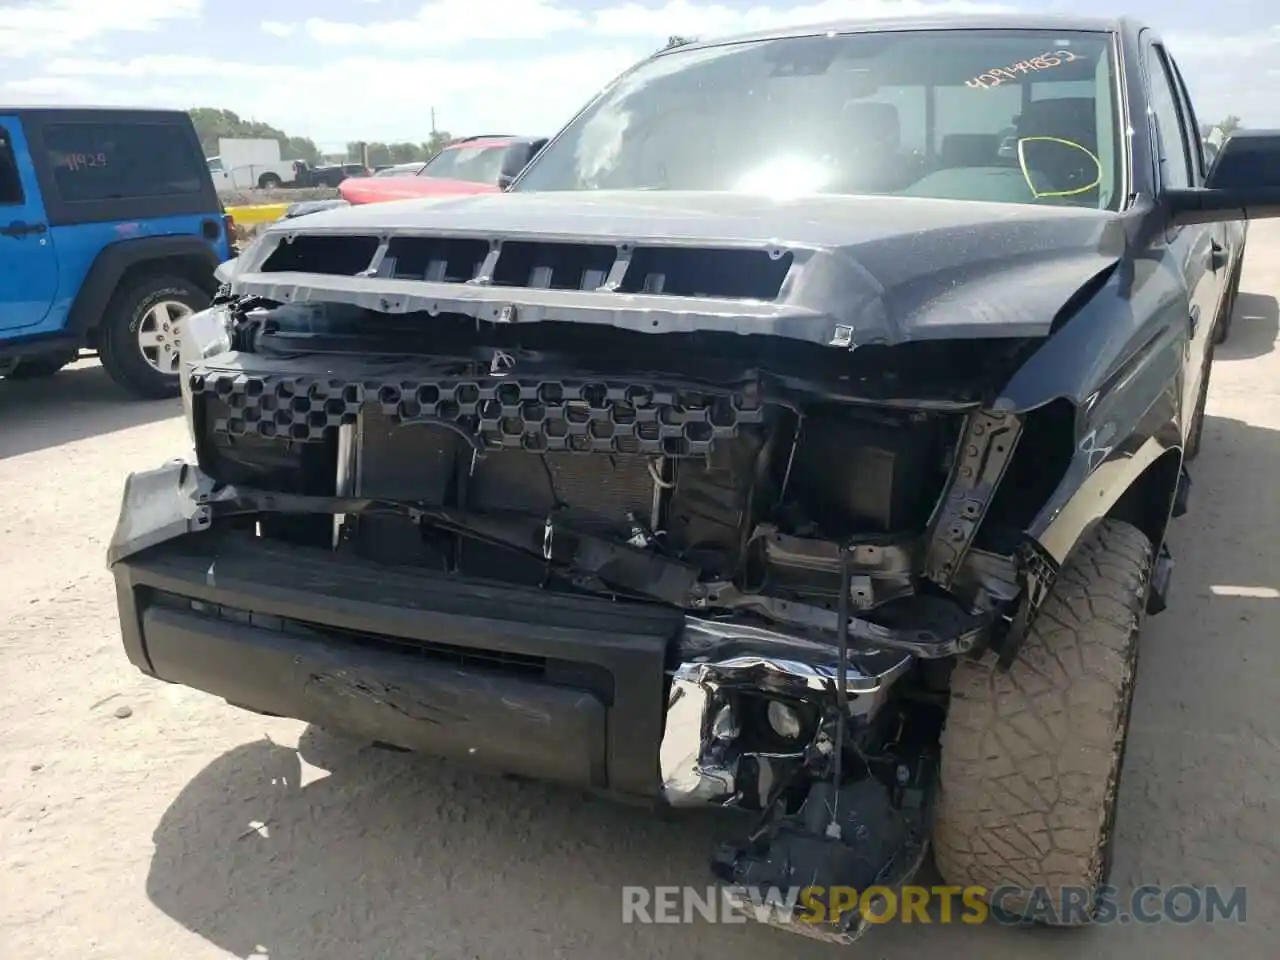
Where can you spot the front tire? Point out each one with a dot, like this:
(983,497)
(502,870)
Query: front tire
(1031,758)
(269,181)
(140,334)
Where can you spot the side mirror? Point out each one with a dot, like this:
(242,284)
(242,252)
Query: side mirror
(1243,183)
(505,180)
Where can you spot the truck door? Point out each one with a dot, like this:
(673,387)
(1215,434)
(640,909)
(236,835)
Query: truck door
(28,266)
(1198,251)
(1225,235)
(218,173)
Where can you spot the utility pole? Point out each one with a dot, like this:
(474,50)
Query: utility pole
(433,121)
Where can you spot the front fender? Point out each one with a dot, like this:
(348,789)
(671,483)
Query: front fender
(1119,360)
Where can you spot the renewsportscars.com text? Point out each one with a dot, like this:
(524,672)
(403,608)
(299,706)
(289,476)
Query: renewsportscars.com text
(1148,904)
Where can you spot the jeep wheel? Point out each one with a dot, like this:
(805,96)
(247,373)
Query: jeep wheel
(140,334)
(38,368)
(1031,758)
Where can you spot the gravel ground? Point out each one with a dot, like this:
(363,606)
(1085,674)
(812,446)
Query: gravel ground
(140,820)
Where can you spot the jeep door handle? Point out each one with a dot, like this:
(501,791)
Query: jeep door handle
(19,228)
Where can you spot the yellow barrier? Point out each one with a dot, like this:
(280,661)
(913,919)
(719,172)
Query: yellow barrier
(258,213)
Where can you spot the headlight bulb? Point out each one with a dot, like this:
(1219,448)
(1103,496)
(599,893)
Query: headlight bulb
(201,335)
(784,720)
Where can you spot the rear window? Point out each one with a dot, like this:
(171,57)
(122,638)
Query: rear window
(119,161)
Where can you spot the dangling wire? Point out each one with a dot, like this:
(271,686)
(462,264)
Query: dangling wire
(842,673)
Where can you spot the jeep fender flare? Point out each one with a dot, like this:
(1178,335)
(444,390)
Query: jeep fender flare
(113,261)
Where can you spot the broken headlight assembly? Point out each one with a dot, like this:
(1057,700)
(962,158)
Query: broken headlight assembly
(204,334)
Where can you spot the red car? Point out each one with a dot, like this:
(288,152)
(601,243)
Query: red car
(481,164)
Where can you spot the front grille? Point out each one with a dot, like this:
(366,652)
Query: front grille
(674,271)
(434,259)
(692,272)
(334,256)
(554,266)
(500,413)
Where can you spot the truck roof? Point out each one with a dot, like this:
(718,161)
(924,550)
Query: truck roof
(970,21)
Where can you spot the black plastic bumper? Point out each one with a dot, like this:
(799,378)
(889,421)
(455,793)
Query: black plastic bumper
(556,688)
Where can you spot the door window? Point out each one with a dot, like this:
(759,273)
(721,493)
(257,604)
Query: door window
(1199,149)
(10,182)
(1173,158)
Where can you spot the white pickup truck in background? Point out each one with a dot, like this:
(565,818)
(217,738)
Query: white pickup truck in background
(244,164)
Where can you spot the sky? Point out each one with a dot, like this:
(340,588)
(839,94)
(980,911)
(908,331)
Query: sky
(340,70)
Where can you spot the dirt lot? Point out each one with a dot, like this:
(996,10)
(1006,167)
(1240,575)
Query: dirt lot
(283,195)
(141,821)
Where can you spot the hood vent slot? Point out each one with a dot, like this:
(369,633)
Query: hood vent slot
(334,256)
(692,272)
(720,273)
(435,259)
(553,266)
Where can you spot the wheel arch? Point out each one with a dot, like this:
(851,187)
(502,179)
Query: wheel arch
(1147,503)
(120,265)
(1137,489)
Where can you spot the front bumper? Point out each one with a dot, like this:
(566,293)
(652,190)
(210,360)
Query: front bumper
(529,685)
(626,698)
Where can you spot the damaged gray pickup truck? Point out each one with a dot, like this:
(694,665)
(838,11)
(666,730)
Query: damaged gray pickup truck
(798,434)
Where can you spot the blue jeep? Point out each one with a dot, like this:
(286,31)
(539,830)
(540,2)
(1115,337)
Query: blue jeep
(110,230)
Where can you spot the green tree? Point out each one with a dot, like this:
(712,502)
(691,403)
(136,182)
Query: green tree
(437,142)
(1228,126)
(212,124)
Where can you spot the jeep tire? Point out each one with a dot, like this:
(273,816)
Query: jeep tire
(1031,758)
(118,337)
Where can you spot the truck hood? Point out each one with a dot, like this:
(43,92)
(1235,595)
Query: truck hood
(840,271)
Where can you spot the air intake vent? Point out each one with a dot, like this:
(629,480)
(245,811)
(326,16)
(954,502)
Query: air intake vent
(554,266)
(435,259)
(335,256)
(686,272)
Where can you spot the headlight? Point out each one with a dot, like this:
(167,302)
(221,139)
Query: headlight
(203,334)
(224,271)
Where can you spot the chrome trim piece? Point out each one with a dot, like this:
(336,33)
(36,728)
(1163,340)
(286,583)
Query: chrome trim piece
(347,481)
(698,758)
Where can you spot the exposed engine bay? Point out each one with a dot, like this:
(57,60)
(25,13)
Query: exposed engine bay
(568,463)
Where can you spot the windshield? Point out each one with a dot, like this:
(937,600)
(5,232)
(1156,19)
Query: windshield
(474,162)
(1013,116)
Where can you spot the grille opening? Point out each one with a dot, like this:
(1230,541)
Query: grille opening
(553,266)
(435,259)
(334,256)
(684,272)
